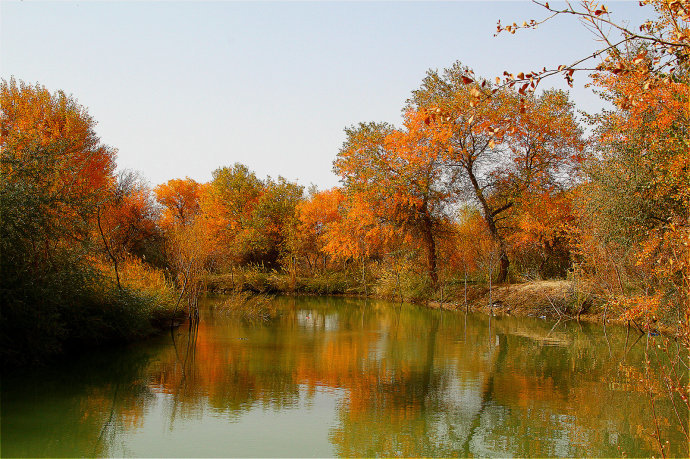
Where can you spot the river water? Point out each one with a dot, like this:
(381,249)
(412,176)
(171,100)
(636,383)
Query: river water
(348,377)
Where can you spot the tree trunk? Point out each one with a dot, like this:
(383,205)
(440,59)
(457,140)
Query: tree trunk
(107,248)
(489,217)
(364,276)
(504,264)
(466,307)
(430,246)
(293,272)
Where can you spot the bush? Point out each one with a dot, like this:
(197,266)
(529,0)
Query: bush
(330,283)
(403,281)
(69,303)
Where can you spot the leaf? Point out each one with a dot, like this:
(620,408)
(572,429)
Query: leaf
(523,109)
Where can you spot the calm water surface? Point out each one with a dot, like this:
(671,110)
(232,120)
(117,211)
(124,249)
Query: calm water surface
(346,377)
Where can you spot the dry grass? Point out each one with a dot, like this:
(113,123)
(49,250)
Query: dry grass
(552,298)
(138,276)
(249,306)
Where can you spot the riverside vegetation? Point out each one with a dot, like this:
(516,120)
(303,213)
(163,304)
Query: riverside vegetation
(484,183)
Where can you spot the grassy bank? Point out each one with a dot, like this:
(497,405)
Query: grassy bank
(550,299)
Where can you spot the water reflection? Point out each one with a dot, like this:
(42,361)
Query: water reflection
(350,378)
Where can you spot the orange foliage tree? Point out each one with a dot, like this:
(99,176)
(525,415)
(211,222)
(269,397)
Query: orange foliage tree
(51,157)
(250,218)
(180,201)
(126,222)
(272,222)
(399,174)
(542,232)
(638,198)
(227,204)
(502,150)
(356,234)
(315,215)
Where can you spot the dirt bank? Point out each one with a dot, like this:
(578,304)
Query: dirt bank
(551,299)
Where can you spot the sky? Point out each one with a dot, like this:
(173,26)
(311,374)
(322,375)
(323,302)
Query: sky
(182,88)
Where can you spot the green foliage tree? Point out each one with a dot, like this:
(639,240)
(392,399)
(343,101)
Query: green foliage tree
(249,216)
(55,176)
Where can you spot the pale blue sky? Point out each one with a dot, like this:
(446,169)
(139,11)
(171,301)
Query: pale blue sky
(183,88)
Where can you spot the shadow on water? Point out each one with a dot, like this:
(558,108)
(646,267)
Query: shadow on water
(347,377)
(69,408)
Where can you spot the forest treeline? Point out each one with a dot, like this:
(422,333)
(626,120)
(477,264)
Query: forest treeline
(482,182)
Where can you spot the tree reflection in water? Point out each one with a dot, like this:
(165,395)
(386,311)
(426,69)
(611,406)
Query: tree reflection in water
(403,381)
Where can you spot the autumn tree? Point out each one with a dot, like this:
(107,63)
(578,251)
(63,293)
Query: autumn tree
(272,220)
(227,205)
(190,245)
(400,174)
(315,215)
(180,201)
(541,237)
(637,194)
(636,198)
(249,217)
(126,221)
(545,150)
(471,247)
(356,235)
(190,248)
(508,146)
(55,174)
(51,157)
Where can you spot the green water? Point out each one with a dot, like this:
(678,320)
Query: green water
(346,377)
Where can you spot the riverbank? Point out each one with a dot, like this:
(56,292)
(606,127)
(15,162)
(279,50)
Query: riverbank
(549,298)
(554,299)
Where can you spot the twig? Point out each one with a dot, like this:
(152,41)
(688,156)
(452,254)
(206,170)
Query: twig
(560,315)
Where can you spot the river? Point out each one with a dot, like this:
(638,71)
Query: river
(347,377)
